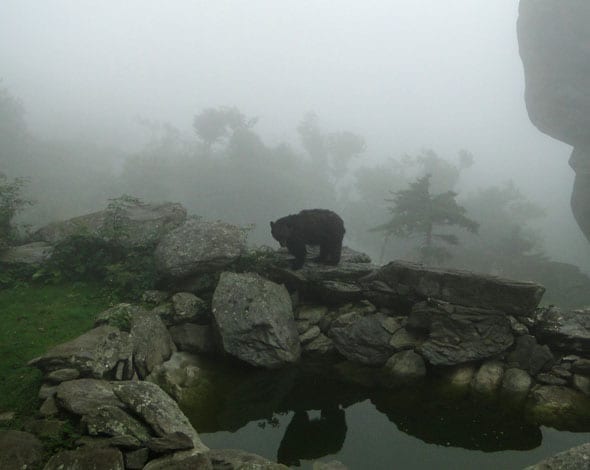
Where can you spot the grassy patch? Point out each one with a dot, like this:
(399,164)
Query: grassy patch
(33,319)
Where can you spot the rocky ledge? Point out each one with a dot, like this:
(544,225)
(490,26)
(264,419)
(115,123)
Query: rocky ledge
(397,324)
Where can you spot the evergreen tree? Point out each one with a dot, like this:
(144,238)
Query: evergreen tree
(416,211)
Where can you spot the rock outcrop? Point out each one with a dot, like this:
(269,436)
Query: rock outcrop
(254,318)
(554,41)
(199,247)
(132,224)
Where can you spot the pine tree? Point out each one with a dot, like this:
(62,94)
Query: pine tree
(416,211)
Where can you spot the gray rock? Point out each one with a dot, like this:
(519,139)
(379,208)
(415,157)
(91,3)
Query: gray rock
(404,339)
(198,247)
(49,407)
(581,366)
(339,292)
(320,345)
(188,308)
(576,458)
(403,367)
(46,390)
(530,356)
(62,375)
(136,459)
(329,284)
(554,44)
(84,458)
(84,396)
(120,316)
(582,383)
(460,334)
(254,319)
(156,408)
(137,225)
(558,407)
(154,297)
(232,459)
(112,421)
(32,254)
(178,376)
(459,287)
(170,443)
(94,354)
(310,335)
(361,338)
(121,442)
(547,378)
(184,460)
(567,331)
(553,39)
(460,377)
(194,338)
(488,379)
(515,385)
(19,450)
(152,344)
(311,313)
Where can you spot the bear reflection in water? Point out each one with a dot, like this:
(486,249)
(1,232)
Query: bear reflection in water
(311,438)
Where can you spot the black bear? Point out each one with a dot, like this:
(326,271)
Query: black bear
(310,227)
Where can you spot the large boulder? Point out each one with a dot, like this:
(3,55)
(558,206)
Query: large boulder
(199,247)
(362,338)
(458,334)
(575,458)
(554,41)
(459,287)
(97,353)
(564,330)
(149,402)
(152,343)
(254,319)
(132,224)
(559,407)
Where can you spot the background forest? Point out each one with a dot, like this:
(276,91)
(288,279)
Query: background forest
(225,170)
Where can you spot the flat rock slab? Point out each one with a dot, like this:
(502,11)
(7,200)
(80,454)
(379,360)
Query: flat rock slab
(94,354)
(460,287)
(564,330)
(19,450)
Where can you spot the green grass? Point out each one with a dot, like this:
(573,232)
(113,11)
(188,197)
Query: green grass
(34,318)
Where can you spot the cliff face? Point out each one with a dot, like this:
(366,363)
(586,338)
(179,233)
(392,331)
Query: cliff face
(554,41)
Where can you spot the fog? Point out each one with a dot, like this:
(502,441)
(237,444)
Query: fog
(405,75)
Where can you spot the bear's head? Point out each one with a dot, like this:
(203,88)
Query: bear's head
(281,231)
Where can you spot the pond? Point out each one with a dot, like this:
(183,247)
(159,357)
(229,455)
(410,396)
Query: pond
(299,415)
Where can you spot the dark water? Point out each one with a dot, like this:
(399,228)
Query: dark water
(301,415)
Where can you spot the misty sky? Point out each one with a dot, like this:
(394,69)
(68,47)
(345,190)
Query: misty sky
(405,74)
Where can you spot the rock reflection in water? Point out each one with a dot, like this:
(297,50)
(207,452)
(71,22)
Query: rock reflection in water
(457,422)
(235,399)
(311,439)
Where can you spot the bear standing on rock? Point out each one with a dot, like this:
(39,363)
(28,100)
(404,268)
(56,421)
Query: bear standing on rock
(310,227)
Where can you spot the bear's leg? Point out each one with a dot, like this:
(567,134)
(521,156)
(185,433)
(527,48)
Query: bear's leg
(333,253)
(297,249)
(324,254)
